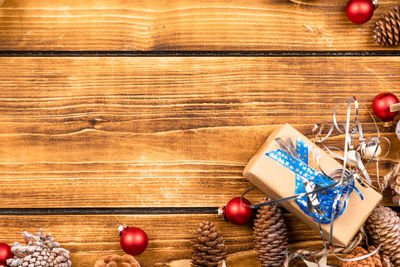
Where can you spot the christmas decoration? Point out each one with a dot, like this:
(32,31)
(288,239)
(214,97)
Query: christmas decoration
(383,229)
(132,240)
(237,211)
(360,11)
(40,250)
(386,261)
(381,106)
(208,246)
(372,150)
(117,261)
(398,130)
(386,30)
(270,236)
(286,158)
(321,263)
(352,156)
(376,260)
(322,254)
(5,253)
(393,177)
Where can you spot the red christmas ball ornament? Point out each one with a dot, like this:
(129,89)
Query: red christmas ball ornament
(132,240)
(360,11)
(237,211)
(5,253)
(381,106)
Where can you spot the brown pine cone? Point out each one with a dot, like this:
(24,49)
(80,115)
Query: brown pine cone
(386,261)
(375,260)
(270,236)
(117,261)
(386,30)
(383,229)
(395,185)
(208,248)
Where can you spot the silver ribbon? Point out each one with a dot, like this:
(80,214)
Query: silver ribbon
(353,131)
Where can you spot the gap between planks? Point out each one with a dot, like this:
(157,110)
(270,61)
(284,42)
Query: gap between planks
(119,211)
(385,53)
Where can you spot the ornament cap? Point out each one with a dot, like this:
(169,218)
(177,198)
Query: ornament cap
(387,124)
(221,212)
(121,228)
(395,107)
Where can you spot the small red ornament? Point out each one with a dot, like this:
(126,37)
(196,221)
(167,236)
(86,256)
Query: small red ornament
(237,211)
(5,253)
(381,106)
(133,240)
(360,11)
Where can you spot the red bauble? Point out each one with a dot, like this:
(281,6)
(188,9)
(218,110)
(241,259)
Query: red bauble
(5,253)
(360,11)
(381,106)
(133,240)
(237,211)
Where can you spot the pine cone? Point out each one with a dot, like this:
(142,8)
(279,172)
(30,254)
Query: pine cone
(386,30)
(395,185)
(270,236)
(383,229)
(117,261)
(40,250)
(386,261)
(375,260)
(208,246)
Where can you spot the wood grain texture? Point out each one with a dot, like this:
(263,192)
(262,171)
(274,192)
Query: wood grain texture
(183,25)
(90,237)
(163,132)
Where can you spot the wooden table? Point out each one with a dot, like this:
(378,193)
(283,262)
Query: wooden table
(147,112)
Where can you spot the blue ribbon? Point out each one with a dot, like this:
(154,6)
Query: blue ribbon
(320,206)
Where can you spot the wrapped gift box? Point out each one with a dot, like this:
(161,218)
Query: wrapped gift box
(278,181)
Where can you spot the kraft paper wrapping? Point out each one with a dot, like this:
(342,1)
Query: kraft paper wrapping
(277,181)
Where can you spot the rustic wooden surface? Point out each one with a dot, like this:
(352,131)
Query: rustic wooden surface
(183,25)
(89,236)
(109,123)
(101,132)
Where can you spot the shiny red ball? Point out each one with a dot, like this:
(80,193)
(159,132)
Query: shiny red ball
(5,253)
(133,240)
(360,11)
(381,106)
(237,212)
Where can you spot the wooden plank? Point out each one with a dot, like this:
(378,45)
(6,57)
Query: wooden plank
(163,132)
(90,237)
(121,25)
